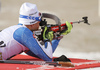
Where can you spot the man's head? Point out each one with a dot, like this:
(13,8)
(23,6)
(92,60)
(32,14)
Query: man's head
(29,16)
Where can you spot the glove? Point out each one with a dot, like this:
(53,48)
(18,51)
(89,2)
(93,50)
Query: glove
(47,35)
(69,26)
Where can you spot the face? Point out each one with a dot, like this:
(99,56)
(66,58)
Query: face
(35,26)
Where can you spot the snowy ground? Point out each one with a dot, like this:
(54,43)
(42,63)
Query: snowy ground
(92,56)
(98,68)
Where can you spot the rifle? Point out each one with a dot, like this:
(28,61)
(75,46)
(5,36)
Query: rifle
(58,28)
(59,63)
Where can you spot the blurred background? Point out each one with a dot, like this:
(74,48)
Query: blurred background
(82,42)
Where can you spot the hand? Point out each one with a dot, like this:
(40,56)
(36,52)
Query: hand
(69,26)
(47,35)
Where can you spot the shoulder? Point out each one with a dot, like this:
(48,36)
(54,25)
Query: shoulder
(22,32)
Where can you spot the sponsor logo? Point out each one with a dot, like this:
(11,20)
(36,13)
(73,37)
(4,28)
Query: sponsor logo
(55,28)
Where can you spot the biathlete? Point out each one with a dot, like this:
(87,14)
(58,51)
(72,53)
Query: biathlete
(19,38)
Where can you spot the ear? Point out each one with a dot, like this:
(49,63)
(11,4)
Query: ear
(31,25)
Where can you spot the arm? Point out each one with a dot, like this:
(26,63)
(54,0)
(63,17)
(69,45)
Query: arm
(55,44)
(28,52)
(25,37)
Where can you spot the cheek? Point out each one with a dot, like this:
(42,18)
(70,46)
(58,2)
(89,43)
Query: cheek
(38,25)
